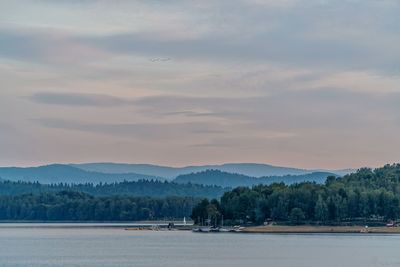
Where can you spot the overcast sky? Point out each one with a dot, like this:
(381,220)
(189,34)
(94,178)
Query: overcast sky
(312,84)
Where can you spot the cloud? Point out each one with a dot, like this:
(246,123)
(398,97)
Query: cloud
(161,105)
(46,46)
(294,111)
(77,99)
(297,37)
(333,36)
(249,141)
(6,128)
(172,102)
(296,80)
(150,131)
(190,113)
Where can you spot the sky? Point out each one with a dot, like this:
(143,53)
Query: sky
(302,83)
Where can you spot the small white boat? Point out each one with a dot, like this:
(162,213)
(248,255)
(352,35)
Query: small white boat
(202,230)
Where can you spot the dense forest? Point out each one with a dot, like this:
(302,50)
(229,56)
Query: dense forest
(365,196)
(77,206)
(152,188)
(226,179)
(124,201)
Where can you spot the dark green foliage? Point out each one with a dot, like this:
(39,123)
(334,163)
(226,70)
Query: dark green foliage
(77,206)
(207,212)
(321,210)
(199,212)
(151,188)
(225,179)
(297,215)
(367,195)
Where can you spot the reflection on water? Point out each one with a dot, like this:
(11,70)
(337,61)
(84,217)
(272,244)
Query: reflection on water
(114,247)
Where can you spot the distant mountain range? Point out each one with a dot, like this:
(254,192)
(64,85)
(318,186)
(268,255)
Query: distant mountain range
(231,174)
(225,179)
(249,169)
(59,173)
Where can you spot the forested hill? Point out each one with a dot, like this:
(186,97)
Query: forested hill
(386,178)
(111,172)
(225,179)
(248,169)
(135,188)
(365,196)
(59,173)
(78,206)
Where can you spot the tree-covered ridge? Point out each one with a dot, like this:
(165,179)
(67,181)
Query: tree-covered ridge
(225,179)
(152,188)
(76,206)
(367,195)
(114,172)
(249,169)
(60,173)
(387,177)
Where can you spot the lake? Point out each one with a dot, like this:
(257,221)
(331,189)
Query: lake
(68,246)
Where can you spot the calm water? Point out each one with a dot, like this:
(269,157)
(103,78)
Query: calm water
(110,247)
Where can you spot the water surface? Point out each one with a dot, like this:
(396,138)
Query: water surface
(115,247)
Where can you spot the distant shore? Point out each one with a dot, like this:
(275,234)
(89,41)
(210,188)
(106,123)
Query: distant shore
(270,229)
(88,225)
(310,229)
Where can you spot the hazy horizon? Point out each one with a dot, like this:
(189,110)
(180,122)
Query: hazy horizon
(305,84)
(188,165)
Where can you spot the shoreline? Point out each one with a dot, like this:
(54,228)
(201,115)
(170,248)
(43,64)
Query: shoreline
(90,225)
(269,229)
(310,229)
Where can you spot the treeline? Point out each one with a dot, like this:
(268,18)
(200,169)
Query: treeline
(367,195)
(226,179)
(77,206)
(152,188)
